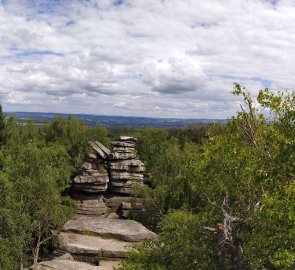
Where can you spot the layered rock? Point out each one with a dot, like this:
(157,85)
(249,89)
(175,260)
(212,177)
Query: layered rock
(126,169)
(90,204)
(92,181)
(97,239)
(124,230)
(100,235)
(67,265)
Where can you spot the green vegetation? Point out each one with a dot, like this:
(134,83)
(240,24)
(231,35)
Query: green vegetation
(36,164)
(229,202)
(222,196)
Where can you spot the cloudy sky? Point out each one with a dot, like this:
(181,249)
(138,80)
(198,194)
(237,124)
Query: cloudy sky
(169,58)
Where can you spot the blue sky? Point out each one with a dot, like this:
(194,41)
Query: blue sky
(172,58)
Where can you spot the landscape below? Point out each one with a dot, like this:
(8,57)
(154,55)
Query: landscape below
(112,121)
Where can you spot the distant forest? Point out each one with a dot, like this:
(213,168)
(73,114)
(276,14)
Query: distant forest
(112,121)
(222,195)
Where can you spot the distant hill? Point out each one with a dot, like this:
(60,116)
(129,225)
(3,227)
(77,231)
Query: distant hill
(113,121)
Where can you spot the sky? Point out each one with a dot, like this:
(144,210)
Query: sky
(157,58)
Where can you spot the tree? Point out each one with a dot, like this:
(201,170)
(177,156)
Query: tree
(2,126)
(244,186)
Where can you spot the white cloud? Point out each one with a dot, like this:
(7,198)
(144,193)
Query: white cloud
(176,58)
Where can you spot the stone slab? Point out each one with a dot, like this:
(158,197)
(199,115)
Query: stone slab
(124,230)
(74,243)
(66,265)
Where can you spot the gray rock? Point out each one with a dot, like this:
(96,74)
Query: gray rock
(127,208)
(127,138)
(117,156)
(65,256)
(131,165)
(103,148)
(113,216)
(91,207)
(123,149)
(92,156)
(120,183)
(124,230)
(86,166)
(97,246)
(123,144)
(66,265)
(96,177)
(119,175)
(98,150)
(113,200)
(110,263)
(121,190)
(91,187)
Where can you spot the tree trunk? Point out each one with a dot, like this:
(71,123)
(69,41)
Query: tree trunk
(36,250)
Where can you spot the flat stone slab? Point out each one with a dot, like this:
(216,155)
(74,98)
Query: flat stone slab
(123,144)
(67,265)
(125,230)
(119,156)
(91,187)
(74,243)
(96,177)
(123,149)
(103,148)
(97,148)
(113,200)
(127,138)
(131,165)
(126,175)
(91,207)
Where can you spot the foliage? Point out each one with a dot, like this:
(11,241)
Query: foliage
(2,126)
(222,196)
(244,185)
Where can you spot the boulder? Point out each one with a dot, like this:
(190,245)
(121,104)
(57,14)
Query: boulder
(95,246)
(95,207)
(123,187)
(118,156)
(127,208)
(91,187)
(100,152)
(131,165)
(103,148)
(66,265)
(113,200)
(127,138)
(123,144)
(123,149)
(65,256)
(95,177)
(124,230)
(94,183)
(86,166)
(118,175)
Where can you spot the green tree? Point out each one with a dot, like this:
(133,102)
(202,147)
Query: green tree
(2,126)
(244,186)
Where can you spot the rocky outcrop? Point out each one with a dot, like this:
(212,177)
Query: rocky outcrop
(101,234)
(67,265)
(125,167)
(106,179)
(92,181)
(124,230)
